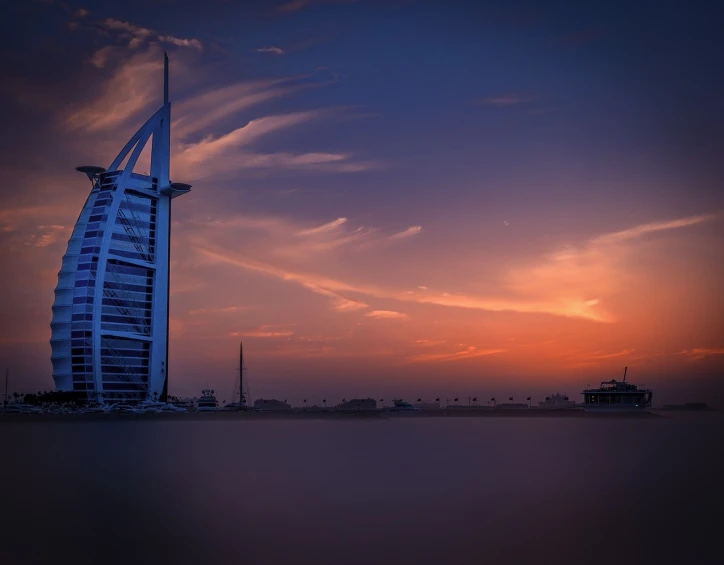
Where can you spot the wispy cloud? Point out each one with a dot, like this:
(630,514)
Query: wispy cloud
(272,49)
(409,232)
(123,96)
(181,42)
(618,354)
(266,331)
(199,113)
(469,352)
(137,35)
(584,275)
(46,235)
(324,228)
(652,227)
(226,153)
(387,315)
(225,310)
(101,56)
(702,352)
(334,288)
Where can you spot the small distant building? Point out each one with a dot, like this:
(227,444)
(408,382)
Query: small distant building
(511,406)
(428,405)
(687,406)
(271,405)
(357,405)
(556,401)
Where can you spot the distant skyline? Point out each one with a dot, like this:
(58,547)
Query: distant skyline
(418,198)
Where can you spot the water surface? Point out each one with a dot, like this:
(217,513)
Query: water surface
(417,491)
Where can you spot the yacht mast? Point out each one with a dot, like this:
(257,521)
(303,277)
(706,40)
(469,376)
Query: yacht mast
(241,374)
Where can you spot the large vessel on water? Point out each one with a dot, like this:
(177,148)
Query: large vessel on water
(207,402)
(616,395)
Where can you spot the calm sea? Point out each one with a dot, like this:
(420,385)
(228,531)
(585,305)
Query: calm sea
(402,491)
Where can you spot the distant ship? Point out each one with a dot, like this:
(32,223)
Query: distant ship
(616,395)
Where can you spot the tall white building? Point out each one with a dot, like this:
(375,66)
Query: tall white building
(110,316)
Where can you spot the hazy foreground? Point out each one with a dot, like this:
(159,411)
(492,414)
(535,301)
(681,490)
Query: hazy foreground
(467,490)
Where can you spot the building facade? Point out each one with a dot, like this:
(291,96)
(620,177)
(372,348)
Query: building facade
(109,332)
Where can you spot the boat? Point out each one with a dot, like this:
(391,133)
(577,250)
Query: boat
(207,402)
(234,407)
(12,408)
(616,395)
(122,409)
(149,406)
(401,406)
(171,408)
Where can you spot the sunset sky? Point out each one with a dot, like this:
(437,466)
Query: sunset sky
(409,198)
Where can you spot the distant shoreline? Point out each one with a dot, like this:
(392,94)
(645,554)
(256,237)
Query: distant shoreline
(320,415)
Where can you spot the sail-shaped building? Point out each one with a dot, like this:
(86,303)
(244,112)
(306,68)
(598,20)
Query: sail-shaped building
(109,332)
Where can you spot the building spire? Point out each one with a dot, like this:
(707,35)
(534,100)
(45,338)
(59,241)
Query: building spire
(165,78)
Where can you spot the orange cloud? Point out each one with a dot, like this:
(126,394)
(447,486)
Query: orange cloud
(387,315)
(469,352)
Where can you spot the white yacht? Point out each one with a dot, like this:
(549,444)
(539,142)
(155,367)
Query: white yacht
(171,408)
(12,408)
(149,406)
(207,402)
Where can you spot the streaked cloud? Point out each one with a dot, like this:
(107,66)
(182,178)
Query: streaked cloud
(212,154)
(387,315)
(137,35)
(272,49)
(181,42)
(469,352)
(46,235)
(652,227)
(323,228)
(124,95)
(266,331)
(409,232)
(100,57)
(217,105)
(568,307)
(225,310)
(583,275)
(618,354)
(702,352)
